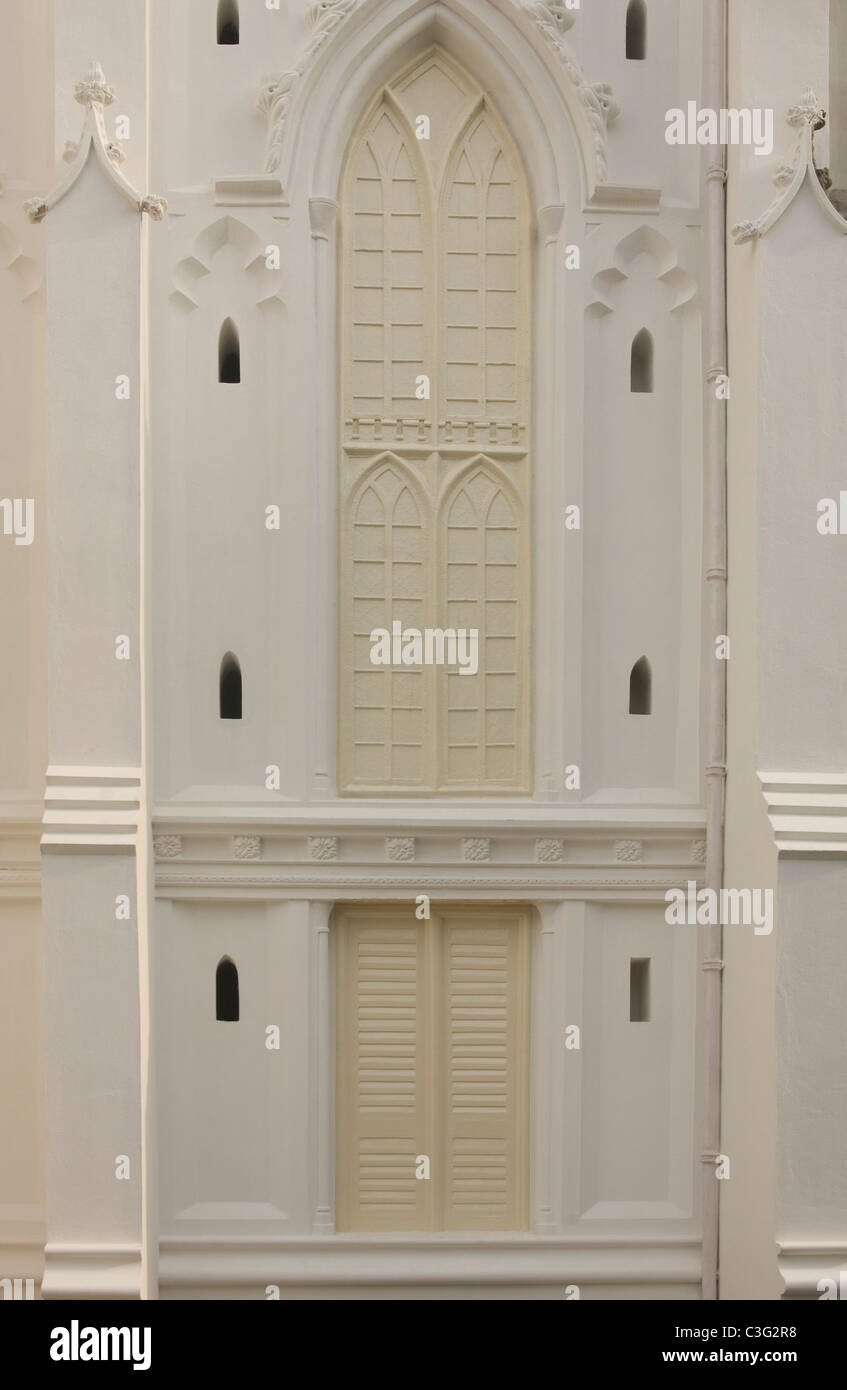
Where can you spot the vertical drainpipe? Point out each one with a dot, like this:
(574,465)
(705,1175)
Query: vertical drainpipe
(716,577)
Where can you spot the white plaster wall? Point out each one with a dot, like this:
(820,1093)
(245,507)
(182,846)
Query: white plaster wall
(668,77)
(803,653)
(26,161)
(642,521)
(93,497)
(92,1027)
(116,36)
(21,1086)
(220,581)
(639,1079)
(812,1030)
(234,1128)
(198,138)
(781,1020)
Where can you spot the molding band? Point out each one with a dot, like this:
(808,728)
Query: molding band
(91,809)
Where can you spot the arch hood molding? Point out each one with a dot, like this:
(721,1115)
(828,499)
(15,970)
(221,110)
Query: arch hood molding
(360,40)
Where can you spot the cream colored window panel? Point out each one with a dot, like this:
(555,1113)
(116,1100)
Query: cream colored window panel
(388,295)
(434,505)
(482,587)
(482,308)
(432,1045)
(382,1061)
(388,580)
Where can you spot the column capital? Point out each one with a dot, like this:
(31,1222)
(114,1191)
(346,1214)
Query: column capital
(549,219)
(322,215)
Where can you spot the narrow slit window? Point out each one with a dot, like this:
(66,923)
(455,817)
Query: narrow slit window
(639,990)
(641,362)
(636,30)
(640,687)
(230,687)
(229,354)
(226,991)
(227,21)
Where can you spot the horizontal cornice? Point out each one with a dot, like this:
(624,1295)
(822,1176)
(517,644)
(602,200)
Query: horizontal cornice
(343,856)
(805,1264)
(351,1260)
(807,811)
(399,816)
(91,810)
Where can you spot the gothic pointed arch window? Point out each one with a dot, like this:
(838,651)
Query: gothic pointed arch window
(636,30)
(435,448)
(228,21)
(226,991)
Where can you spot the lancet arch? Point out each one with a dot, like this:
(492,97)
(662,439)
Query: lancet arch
(436,360)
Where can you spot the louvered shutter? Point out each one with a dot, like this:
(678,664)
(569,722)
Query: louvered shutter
(483,1007)
(432,1058)
(381,1069)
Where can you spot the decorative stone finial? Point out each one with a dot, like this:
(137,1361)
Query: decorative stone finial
(94,89)
(94,93)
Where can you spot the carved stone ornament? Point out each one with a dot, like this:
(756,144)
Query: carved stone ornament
(247,846)
(549,851)
(476,850)
(167,846)
(324,847)
(698,852)
(806,117)
(94,93)
(628,851)
(94,90)
(551,17)
(276,92)
(400,848)
(597,98)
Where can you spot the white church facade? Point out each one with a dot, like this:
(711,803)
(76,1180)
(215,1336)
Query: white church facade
(344,977)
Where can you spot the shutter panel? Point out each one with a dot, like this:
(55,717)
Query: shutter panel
(432,1058)
(380,1070)
(484,1117)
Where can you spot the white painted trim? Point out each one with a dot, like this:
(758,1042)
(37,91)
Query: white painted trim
(91,809)
(715,574)
(354,1260)
(802,1265)
(91,1271)
(322,1036)
(470,817)
(807,811)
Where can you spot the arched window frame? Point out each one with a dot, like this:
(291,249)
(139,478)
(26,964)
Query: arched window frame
(230,687)
(636,31)
(228,23)
(642,357)
(512,439)
(229,354)
(227,994)
(641,687)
